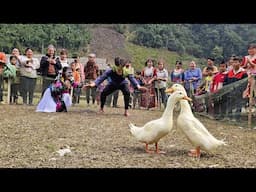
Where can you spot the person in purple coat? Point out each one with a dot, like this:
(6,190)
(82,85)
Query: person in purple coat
(118,74)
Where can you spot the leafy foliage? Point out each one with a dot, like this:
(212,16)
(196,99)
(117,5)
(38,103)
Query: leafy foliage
(199,40)
(39,36)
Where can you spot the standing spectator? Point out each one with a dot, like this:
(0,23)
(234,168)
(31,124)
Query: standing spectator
(63,58)
(161,82)
(137,92)
(177,75)
(249,61)
(15,82)
(28,76)
(49,67)
(218,79)
(229,63)
(91,72)
(77,80)
(249,64)
(205,88)
(16,52)
(210,63)
(217,84)
(2,64)
(234,99)
(192,77)
(149,74)
(79,66)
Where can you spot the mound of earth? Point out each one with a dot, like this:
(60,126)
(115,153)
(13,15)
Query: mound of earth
(107,43)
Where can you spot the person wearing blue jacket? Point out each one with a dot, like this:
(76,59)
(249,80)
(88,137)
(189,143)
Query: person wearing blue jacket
(118,74)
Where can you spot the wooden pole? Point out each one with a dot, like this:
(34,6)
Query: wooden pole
(252,82)
(71,93)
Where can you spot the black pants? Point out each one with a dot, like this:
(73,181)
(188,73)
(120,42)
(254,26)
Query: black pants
(76,94)
(27,86)
(46,82)
(136,98)
(110,88)
(162,95)
(1,86)
(15,88)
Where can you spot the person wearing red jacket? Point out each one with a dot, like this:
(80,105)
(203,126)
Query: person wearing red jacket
(217,83)
(234,99)
(2,64)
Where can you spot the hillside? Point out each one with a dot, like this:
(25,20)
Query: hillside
(200,40)
(107,43)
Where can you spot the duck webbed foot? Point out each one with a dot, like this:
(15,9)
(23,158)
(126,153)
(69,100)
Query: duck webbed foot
(158,151)
(195,152)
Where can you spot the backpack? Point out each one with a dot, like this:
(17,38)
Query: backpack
(9,71)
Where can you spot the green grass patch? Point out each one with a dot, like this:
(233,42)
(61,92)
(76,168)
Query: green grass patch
(140,54)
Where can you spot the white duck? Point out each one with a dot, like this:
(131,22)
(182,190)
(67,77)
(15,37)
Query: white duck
(154,130)
(194,130)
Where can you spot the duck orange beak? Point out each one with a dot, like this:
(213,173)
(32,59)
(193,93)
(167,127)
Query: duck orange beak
(169,90)
(187,98)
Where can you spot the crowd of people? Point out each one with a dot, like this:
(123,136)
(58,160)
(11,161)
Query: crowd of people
(143,89)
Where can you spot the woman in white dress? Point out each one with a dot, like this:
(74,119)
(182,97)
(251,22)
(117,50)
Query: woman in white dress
(57,97)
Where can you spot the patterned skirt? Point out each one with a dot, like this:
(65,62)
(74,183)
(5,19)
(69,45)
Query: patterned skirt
(148,98)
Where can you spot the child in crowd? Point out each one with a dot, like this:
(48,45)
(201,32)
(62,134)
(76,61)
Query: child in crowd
(15,85)
(217,84)
(137,93)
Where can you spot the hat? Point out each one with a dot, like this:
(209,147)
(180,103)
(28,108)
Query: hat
(92,55)
(2,57)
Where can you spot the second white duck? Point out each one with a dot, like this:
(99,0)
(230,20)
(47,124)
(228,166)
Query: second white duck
(194,130)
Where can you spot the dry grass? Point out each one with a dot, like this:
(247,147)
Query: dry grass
(30,140)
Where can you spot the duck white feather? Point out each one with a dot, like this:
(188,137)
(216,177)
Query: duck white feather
(156,129)
(193,129)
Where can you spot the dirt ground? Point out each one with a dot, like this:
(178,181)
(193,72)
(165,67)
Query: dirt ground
(31,140)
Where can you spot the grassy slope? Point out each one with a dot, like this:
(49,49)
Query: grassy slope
(140,54)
